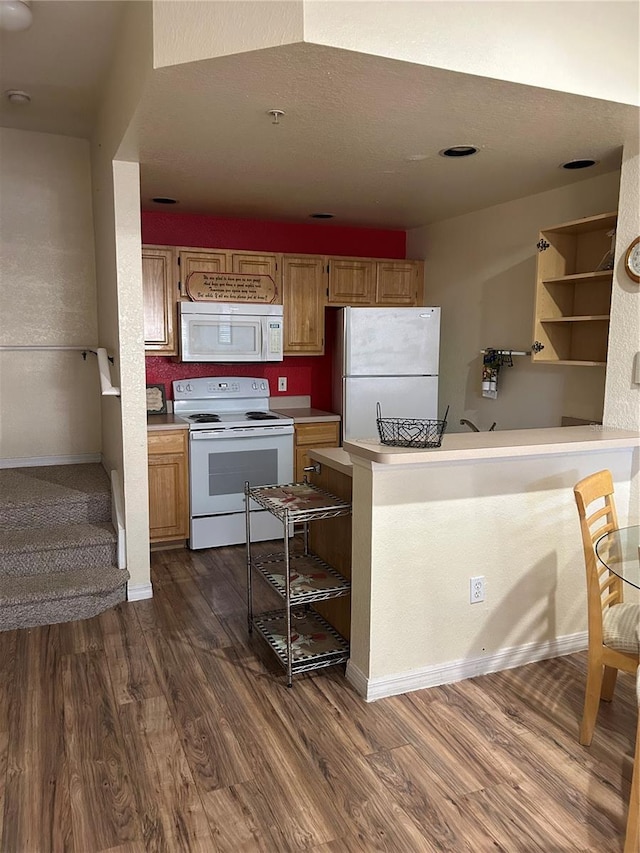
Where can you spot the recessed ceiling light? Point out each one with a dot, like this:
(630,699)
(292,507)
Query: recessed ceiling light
(459,151)
(579,164)
(164,200)
(321,215)
(16,96)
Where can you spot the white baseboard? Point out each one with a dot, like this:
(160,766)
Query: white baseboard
(432,676)
(139,591)
(35,461)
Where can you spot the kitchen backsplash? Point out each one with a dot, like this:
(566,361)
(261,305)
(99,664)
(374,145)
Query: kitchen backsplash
(306,375)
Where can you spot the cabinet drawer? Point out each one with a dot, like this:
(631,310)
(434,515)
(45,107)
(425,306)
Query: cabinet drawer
(315,435)
(167,441)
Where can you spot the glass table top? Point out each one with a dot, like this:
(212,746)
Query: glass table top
(619,551)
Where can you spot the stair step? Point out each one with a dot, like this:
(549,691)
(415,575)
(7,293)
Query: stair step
(60,597)
(59,548)
(54,494)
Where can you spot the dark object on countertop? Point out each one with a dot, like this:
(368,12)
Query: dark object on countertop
(472,426)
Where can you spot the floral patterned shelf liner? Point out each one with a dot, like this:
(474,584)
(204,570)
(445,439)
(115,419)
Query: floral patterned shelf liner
(308,574)
(299,496)
(311,636)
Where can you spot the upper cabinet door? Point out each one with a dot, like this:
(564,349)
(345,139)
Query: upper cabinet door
(200,260)
(351,281)
(399,282)
(160,298)
(250,263)
(303,298)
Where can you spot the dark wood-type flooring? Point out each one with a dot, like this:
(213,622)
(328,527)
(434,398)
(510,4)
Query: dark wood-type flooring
(159,726)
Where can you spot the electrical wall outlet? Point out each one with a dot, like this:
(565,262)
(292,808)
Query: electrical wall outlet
(282,383)
(476,590)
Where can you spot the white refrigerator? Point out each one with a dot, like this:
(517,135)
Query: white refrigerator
(388,356)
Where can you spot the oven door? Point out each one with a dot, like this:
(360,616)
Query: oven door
(220,461)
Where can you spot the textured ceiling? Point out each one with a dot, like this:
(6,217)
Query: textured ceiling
(360,136)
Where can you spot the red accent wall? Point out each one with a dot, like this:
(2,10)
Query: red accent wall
(306,375)
(212,232)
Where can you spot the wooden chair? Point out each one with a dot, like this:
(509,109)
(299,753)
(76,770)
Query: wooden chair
(632,840)
(612,624)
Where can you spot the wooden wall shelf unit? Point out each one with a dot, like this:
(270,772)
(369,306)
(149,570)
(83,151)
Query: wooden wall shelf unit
(573,296)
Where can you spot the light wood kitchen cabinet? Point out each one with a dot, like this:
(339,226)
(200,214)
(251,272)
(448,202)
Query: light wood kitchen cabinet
(573,297)
(249,263)
(371,282)
(199,260)
(303,298)
(226,260)
(305,285)
(352,281)
(159,288)
(168,485)
(399,283)
(308,435)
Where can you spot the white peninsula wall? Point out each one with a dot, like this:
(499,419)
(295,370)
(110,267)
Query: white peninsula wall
(498,505)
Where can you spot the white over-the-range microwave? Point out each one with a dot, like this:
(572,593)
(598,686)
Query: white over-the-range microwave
(230,331)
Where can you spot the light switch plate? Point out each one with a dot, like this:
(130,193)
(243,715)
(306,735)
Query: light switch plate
(282,383)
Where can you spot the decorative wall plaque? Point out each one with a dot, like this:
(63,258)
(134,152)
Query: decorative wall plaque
(156,399)
(231,287)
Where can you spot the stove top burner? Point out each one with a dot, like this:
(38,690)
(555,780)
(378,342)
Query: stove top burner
(260,416)
(205,419)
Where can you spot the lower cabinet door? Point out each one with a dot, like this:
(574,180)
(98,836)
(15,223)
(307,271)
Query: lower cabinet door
(168,488)
(317,434)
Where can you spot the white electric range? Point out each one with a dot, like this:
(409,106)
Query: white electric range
(233,438)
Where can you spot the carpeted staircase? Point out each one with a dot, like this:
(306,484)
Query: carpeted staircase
(58,547)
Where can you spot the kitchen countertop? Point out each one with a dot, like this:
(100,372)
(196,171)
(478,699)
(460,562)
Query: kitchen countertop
(304,415)
(156,422)
(503,444)
(333,457)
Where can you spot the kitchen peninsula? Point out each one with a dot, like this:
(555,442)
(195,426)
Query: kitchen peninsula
(494,505)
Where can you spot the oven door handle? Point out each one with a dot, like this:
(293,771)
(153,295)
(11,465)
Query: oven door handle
(239,432)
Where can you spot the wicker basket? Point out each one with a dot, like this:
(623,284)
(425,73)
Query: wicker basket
(410,432)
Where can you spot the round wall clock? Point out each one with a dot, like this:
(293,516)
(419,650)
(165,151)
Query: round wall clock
(632,260)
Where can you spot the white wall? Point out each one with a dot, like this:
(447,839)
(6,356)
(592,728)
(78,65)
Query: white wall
(622,398)
(551,45)
(481,268)
(116,199)
(50,401)
(193,30)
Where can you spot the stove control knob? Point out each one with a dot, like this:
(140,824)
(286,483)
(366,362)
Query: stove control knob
(254,385)
(179,388)
(189,387)
(263,386)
